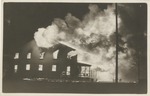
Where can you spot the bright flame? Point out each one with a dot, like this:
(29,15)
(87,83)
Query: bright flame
(93,38)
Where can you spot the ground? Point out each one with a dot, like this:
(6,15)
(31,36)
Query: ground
(21,86)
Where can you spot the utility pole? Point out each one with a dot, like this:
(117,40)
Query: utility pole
(116,11)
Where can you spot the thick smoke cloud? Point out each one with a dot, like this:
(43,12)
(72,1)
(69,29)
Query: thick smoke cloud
(132,33)
(95,41)
(95,27)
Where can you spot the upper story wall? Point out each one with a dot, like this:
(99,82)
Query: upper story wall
(31,53)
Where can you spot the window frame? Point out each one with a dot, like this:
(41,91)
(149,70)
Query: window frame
(40,68)
(28,67)
(16,56)
(54,68)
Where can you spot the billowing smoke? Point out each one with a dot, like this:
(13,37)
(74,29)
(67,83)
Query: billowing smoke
(132,34)
(94,39)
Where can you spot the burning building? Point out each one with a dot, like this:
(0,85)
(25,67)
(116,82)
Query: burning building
(56,62)
(109,39)
(93,34)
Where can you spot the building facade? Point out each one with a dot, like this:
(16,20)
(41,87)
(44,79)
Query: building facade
(52,63)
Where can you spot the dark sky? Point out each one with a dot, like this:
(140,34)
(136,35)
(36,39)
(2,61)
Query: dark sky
(21,20)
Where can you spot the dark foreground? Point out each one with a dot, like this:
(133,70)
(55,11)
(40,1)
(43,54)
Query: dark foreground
(21,86)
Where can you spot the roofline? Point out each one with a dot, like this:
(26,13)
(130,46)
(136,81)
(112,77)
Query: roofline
(68,45)
(84,64)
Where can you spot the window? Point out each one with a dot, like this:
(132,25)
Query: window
(68,70)
(53,67)
(85,71)
(42,55)
(82,71)
(29,56)
(55,54)
(40,67)
(15,68)
(16,56)
(28,67)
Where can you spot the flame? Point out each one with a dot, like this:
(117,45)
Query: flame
(93,38)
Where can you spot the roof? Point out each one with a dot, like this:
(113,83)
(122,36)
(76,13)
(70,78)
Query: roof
(83,64)
(67,45)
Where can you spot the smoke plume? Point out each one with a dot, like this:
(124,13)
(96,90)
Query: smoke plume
(94,40)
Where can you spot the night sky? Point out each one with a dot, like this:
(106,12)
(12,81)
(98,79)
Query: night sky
(21,20)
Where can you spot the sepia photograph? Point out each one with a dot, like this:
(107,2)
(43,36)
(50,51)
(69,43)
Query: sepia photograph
(64,47)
